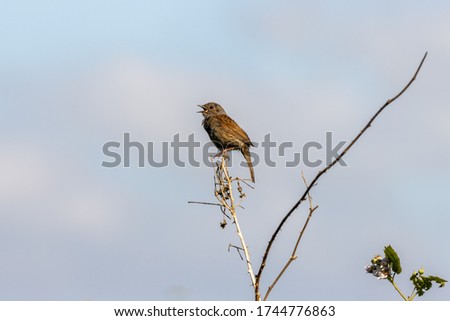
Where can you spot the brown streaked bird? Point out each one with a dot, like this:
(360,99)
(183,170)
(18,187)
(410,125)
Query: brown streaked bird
(225,133)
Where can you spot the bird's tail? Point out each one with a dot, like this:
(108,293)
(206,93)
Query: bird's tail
(246,152)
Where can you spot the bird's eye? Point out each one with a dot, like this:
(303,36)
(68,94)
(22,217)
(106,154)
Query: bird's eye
(211,107)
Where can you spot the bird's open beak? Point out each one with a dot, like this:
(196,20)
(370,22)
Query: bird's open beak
(201,106)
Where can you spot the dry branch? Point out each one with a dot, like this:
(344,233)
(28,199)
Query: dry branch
(224,194)
(319,174)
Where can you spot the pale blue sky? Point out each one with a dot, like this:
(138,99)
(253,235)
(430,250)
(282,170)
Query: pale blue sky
(74,75)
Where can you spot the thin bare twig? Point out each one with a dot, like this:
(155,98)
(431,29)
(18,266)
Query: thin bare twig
(323,171)
(238,249)
(222,208)
(244,181)
(204,203)
(294,256)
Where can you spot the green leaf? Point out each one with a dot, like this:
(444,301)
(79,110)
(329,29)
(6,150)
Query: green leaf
(393,258)
(424,283)
(438,280)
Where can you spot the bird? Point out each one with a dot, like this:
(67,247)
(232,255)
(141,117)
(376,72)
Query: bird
(225,133)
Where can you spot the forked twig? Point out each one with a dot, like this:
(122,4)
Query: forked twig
(238,249)
(320,173)
(294,256)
